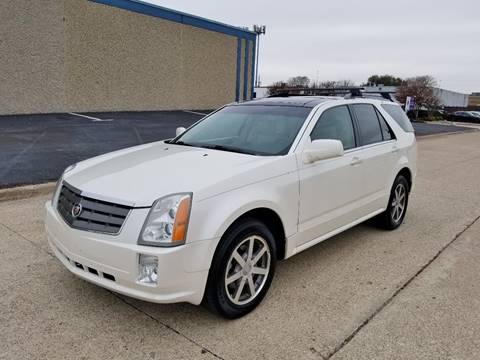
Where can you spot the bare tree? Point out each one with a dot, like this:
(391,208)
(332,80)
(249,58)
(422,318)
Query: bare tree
(420,88)
(344,83)
(330,84)
(299,81)
(326,84)
(302,85)
(276,87)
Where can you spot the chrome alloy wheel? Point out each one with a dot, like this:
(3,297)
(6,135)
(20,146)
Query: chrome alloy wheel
(247,270)
(398,203)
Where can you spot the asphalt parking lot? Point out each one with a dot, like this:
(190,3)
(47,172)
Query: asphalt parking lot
(426,129)
(37,148)
(365,294)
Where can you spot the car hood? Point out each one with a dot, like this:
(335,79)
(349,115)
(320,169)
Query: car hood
(142,174)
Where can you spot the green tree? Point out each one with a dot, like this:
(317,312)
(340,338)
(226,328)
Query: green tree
(387,80)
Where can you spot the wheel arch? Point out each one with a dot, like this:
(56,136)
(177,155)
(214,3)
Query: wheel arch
(271,219)
(407,173)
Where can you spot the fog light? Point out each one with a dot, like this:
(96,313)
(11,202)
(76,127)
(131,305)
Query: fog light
(147,269)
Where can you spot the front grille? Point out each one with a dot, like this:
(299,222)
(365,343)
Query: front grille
(93,215)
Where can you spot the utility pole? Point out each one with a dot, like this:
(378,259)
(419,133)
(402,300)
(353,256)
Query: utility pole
(259,30)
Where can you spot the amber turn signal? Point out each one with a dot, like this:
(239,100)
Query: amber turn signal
(181,220)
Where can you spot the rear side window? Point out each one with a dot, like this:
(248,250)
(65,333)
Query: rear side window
(368,124)
(397,113)
(335,123)
(386,131)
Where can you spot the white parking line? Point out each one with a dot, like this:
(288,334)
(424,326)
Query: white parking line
(140,140)
(90,117)
(194,112)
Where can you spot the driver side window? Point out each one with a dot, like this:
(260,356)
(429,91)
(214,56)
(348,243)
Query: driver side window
(335,123)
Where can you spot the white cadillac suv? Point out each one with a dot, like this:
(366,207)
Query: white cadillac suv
(205,216)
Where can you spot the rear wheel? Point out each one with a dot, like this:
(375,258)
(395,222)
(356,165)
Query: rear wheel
(393,216)
(242,269)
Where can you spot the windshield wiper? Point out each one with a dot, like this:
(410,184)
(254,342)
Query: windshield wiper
(181,143)
(228,148)
(216,147)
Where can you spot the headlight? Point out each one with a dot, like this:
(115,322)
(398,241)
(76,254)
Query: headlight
(58,187)
(167,221)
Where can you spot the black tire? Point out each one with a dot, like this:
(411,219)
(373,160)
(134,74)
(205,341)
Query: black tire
(216,297)
(388,220)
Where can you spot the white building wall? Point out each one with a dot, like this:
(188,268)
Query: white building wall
(381,88)
(261,92)
(451,98)
(447,97)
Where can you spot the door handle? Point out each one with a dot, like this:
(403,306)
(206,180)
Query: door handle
(394,149)
(355,161)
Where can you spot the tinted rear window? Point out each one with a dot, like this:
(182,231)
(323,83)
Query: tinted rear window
(397,113)
(369,127)
(386,131)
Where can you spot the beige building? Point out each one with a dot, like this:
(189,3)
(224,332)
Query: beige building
(474,99)
(118,55)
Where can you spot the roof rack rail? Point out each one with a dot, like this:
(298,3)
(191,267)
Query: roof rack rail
(380,95)
(347,92)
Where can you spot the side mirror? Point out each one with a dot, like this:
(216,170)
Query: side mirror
(322,149)
(179,131)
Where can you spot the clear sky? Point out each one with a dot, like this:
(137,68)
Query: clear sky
(353,39)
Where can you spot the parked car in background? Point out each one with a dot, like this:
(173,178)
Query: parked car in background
(467,116)
(206,215)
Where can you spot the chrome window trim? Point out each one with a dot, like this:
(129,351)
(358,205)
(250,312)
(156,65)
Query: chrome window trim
(314,116)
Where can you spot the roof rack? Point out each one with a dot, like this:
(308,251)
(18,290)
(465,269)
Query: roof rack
(345,92)
(380,95)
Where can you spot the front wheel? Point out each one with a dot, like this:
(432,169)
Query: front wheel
(393,216)
(242,269)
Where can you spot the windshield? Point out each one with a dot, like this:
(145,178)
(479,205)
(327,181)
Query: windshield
(249,129)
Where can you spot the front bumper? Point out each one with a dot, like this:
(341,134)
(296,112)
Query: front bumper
(112,261)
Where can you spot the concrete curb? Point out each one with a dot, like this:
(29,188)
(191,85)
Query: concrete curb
(23,192)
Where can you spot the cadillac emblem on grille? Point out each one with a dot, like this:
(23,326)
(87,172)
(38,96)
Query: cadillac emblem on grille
(76,210)
(89,214)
